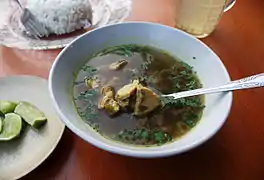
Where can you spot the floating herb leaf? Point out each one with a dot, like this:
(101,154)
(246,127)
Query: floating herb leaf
(190,123)
(187,66)
(95,126)
(90,72)
(90,111)
(89,69)
(148,59)
(162,137)
(192,84)
(190,119)
(145,134)
(87,95)
(76,83)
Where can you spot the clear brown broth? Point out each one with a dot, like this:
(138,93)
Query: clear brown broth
(160,77)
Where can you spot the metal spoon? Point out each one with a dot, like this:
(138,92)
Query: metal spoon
(30,22)
(245,83)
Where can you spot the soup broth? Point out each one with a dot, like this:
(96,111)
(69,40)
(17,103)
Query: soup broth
(152,70)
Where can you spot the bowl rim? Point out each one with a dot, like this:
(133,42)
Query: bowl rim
(144,153)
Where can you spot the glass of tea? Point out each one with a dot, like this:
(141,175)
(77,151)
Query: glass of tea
(200,17)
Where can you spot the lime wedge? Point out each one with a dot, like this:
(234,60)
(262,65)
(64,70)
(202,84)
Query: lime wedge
(7,106)
(12,126)
(31,114)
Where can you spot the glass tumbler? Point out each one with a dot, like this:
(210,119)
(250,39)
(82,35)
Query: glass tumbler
(200,17)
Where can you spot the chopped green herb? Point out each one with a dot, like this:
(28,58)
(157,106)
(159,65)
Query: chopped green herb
(178,103)
(137,133)
(185,78)
(87,95)
(158,137)
(145,134)
(190,123)
(184,73)
(78,82)
(177,85)
(90,73)
(89,69)
(187,66)
(190,119)
(192,84)
(95,126)
(90,111)
(148,59)
(124,50)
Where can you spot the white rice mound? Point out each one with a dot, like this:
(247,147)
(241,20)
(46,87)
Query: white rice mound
(61,16)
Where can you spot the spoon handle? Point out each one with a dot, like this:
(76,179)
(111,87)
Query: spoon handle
(245,83)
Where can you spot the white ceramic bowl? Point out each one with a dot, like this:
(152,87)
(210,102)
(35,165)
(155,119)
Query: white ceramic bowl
(209,67)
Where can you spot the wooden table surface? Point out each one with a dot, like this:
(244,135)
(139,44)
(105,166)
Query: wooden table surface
(236,152)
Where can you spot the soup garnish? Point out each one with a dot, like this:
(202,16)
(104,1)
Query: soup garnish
(118,93)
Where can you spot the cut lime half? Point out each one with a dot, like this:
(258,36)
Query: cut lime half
(11,127)
(7,106)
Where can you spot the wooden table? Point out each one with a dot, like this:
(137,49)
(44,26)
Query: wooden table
(236,152)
